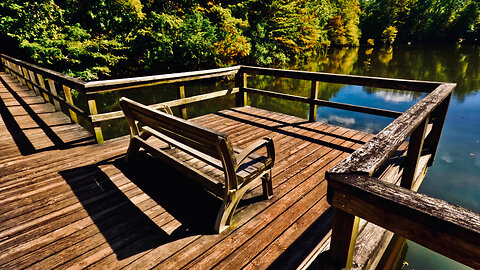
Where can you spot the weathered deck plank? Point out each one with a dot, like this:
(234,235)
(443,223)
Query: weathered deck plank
(67,203)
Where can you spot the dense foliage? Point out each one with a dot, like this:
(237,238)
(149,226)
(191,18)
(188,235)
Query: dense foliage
(111,38)
(421,21)
(95,39)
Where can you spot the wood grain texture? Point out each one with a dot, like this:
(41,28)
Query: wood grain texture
(68,221)
(57,76)
(81,208)
(443,227)
(132,83)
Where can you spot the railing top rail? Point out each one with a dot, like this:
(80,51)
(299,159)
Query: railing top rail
(368,158)
(99,86)
(71,82)
(436,224)
(389,83)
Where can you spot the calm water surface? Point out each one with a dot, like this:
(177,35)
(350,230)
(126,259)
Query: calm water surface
(455,176)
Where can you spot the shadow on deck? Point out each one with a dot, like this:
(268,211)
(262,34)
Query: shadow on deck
(28,119)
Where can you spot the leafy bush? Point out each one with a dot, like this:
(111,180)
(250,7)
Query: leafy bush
(389,35)
(95,39)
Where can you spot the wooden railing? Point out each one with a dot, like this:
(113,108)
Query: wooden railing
(353,190)
(37,79)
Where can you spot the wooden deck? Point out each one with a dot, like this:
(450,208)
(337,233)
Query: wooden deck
(68,203)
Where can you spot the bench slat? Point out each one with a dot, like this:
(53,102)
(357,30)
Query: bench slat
(175,122)
(184,137)
(208,182)
(206,158)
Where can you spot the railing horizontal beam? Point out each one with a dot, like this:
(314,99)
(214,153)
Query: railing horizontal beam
(400,84)
(61,78)
(277,95)
(53,96)
(326,103)
(131,83)
(438,225)
(178,102)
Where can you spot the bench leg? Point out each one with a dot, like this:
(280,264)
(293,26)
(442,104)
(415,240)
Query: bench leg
(267,184)
(132,150)
(229,204)
(135,146)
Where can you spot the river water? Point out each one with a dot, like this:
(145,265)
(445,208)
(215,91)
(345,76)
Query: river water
(455,176)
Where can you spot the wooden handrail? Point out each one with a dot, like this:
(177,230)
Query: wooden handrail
(436,224)
(121,84)
(423,122)
(61,78)
(27,71)
(129,83)
(326,103)
(50,94)
(399,84)
(375,152)
(173,103)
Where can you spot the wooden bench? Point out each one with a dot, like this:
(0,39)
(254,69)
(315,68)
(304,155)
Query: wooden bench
(202,154)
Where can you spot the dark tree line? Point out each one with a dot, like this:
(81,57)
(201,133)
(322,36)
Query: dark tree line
(421,21)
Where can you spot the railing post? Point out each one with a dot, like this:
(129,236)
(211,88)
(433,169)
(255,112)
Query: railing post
(19,71)
(7,66)
(27,77)
(32,76)
(53,90)
(438,117)
(183,108)
(312,115)
(414,152)
(344,237)
(22,75)
(92,106)
(41,81)
(68,97)
(241,83)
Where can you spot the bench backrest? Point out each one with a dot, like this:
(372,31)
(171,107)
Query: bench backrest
(208,141)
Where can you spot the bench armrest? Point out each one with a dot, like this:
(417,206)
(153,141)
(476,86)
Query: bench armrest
(267,142)
(165,108)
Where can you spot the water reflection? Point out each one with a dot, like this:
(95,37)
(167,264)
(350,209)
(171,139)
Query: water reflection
(394,97)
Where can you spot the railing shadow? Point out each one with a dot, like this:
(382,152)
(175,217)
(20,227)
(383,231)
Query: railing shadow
(307,242)
(279,130)
(298,125)
(130,222)
(22,141)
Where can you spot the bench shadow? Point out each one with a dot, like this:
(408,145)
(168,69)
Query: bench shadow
(128,220)
(182,197)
